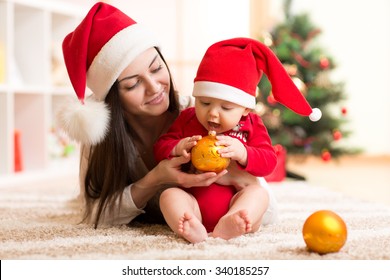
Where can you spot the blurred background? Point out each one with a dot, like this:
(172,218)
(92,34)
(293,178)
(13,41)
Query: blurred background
(338,47)
(355,34)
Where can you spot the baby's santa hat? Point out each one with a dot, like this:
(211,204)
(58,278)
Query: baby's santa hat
(95,53)
(231,70)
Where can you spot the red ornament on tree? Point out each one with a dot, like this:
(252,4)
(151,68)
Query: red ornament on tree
(337,135)
(324,63)
(326,156)
(271,100)
(344,111)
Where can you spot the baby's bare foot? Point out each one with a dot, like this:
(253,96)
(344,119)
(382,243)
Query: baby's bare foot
(191,228)
(233,225)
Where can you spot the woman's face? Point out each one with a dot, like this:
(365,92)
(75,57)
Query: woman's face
(218,115)
(144,85)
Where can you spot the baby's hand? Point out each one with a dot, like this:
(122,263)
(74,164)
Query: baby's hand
(234,149)
(185,145)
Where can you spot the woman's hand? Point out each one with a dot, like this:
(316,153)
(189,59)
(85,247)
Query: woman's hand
(170,173)
(237,177)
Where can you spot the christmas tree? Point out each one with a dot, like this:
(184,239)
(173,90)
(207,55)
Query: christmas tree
(309,66)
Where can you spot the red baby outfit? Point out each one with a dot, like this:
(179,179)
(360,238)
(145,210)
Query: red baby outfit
(214,201)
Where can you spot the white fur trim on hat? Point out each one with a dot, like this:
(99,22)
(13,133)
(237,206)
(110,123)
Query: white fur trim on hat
(224,92)
(116,55)
(86,123)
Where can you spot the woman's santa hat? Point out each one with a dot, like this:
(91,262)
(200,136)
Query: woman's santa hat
(95,53)
(231,70)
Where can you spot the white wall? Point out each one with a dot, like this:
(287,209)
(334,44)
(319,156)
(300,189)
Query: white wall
(357,35)
(187,27)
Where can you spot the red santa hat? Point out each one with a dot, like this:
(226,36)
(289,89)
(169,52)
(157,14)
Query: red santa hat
(231,70)
(95,53)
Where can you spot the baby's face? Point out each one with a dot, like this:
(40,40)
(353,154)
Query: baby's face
(217,114)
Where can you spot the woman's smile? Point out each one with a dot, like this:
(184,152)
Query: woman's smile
(157,99)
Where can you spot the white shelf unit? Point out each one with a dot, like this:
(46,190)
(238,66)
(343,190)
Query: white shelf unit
(33,82)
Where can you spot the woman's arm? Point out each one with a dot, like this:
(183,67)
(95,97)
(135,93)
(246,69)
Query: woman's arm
(237,177)
(136,195)
(168,172)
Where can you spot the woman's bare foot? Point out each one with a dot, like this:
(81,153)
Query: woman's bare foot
(191,228)
(233,225)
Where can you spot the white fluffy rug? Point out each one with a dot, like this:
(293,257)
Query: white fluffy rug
(42,223)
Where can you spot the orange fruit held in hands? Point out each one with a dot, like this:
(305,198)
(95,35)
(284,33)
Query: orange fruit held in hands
(205,156)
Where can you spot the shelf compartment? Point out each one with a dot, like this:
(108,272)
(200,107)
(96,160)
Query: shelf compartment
(31,119)
(31,49)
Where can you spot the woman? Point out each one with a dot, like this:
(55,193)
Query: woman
(133,102)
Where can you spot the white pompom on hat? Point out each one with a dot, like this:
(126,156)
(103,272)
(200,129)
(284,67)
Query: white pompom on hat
(231,70)
(95,53)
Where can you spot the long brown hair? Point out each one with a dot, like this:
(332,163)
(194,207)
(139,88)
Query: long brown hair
(112,164)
